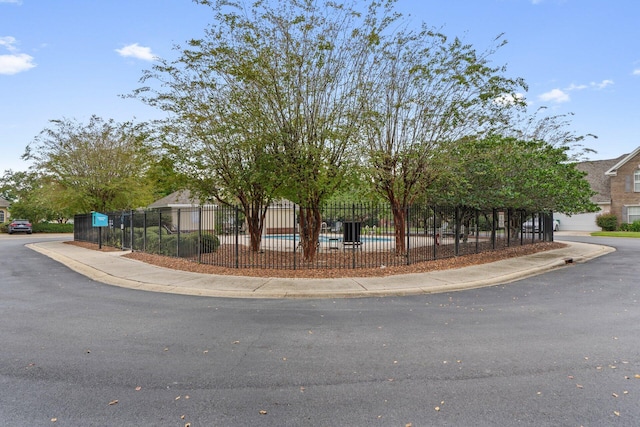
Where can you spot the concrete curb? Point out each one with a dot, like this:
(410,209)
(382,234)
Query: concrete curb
(199,284)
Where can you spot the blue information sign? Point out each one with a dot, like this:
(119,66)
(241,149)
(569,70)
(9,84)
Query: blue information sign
(99,220)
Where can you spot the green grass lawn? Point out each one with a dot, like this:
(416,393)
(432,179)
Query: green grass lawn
(616,234)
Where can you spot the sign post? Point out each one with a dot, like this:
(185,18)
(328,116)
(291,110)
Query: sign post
(99,220)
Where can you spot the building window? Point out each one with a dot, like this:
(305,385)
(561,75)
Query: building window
(1,216)
(633,214)
(636,181)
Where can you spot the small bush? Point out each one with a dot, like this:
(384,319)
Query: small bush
(624,227)
(168,245)
(43,227)
(209,243)
(635,226)
(607,221)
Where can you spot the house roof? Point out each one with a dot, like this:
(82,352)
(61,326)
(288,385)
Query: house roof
(4,203)
(184,198)
(613,171)
(598,178)
(177,198)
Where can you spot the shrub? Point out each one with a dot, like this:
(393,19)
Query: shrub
(167,246)
(209,243)
(607,221)
(635,226)
(48,227)
(43,227)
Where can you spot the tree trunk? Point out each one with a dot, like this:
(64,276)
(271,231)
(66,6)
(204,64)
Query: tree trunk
(255,216)
(399,219)
(310,222)
(255,231)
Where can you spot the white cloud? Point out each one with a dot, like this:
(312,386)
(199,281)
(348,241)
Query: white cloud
(136,51)
(18,2)
(555,95)
(636,72)
(602,84)
(576,87)
(593,85)
(13,62)
(8,43)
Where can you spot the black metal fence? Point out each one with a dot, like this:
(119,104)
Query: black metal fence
(351,236)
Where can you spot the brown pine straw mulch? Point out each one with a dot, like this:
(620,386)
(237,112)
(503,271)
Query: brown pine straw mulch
(321,273)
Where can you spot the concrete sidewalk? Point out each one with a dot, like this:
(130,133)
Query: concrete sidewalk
(114,269)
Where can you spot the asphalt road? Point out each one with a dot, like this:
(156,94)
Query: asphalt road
(560,349)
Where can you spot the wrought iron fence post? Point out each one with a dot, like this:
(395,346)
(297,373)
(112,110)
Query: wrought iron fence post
(178,238)
(122,231)
(144,231)
(493,229)
(353,219)
(131,228)
(159,231)
(199,235)
(522,216)
(508,231)
(408,236)
(237,237)
(477,227)
(295,229)
(436,235)
(456,230)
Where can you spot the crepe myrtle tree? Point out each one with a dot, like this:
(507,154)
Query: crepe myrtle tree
(269,102)
(214,144)
(426,93)
(99,165)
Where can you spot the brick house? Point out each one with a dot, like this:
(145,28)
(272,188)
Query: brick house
(617,186)
(601,184)
(624,181)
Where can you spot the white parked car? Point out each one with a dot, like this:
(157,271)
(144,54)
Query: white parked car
(528,225)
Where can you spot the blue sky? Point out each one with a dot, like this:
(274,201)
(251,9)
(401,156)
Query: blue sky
(73,58)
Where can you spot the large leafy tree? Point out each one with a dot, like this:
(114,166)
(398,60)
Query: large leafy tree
(427,93)
(99,165)
(499,171)
(32,197)
(216,132)
(268,104)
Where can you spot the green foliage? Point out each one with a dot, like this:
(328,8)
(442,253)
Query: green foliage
(168,244)
(31,196)
(310,101)
(631,234)
(633,227)
(51,227)
(97,166)
(607,221)
(506,172)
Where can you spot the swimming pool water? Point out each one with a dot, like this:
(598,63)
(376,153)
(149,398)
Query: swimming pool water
(324,239)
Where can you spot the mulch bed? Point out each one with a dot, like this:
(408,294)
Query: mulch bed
(331,264)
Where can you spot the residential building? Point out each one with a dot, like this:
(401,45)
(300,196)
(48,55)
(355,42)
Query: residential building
(617,186)
(4,210)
